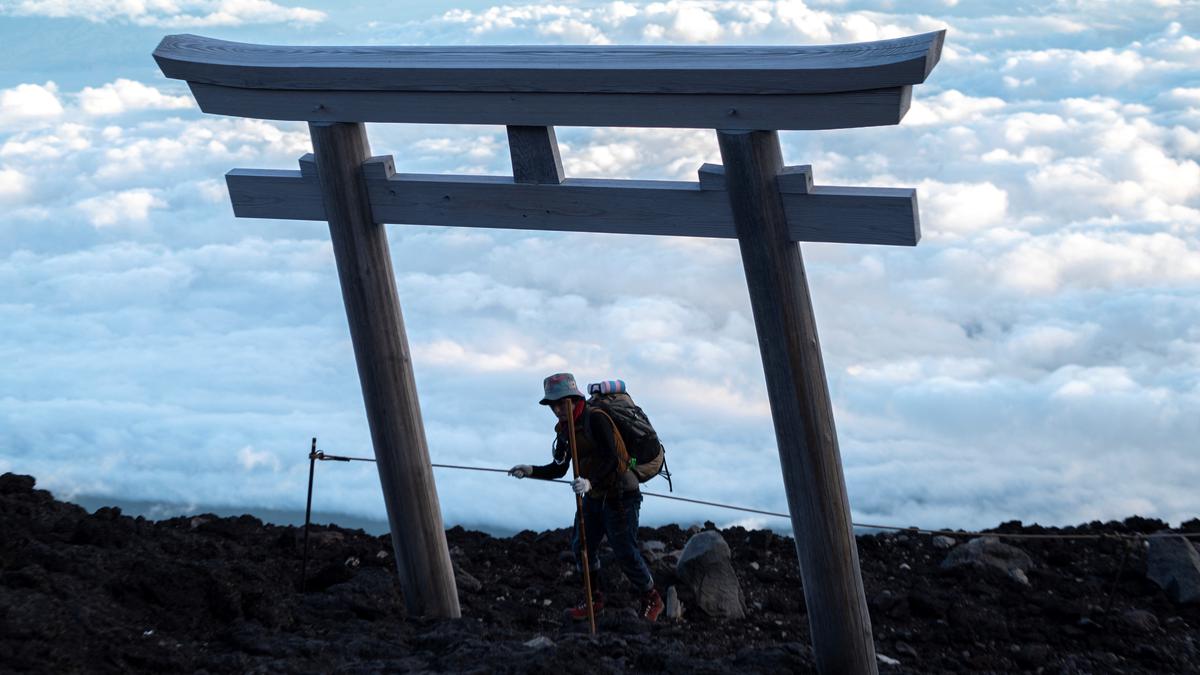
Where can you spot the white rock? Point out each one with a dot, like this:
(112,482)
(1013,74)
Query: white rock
(674,608)
(887,660)
(540,642)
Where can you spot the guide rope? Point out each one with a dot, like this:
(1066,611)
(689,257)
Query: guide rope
(903,530)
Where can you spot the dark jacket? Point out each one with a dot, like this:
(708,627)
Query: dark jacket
(597,455)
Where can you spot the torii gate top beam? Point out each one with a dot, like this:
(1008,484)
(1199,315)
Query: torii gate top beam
(810,87)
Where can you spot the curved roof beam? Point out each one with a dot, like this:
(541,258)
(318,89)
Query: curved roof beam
(816,87)
(553,69)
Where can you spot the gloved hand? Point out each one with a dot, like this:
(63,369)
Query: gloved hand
(581,485)
(521,471)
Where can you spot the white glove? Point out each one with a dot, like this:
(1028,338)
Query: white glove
(581,485)
(521,471)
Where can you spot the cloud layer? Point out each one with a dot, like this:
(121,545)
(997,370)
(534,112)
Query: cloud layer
(1035,357)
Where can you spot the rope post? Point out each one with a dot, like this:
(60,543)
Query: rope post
(587,565)
(312,466)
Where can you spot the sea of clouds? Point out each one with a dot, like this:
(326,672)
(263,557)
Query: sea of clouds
(1036,357)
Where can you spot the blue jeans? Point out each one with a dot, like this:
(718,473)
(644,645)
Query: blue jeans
(616,518)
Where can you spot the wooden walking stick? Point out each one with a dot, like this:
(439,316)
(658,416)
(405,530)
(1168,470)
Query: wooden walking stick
(587,565)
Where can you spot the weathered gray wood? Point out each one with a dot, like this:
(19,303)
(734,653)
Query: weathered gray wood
(800,405)
(385,370)
(840,110)
(795,179)
(711,176)
(273,193)
(534,152)
(576,69)
(676,208)
(791,180)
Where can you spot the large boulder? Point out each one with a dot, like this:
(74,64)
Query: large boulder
(1173,564)
(705,567)
(990,552)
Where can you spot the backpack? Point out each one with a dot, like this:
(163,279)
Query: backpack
(638,447)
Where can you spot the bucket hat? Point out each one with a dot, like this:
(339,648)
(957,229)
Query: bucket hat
(559,386)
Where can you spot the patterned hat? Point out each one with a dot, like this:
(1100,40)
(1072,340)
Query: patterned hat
(559,386)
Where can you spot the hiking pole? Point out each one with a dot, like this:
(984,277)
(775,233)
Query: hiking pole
(587,565)
(312,465)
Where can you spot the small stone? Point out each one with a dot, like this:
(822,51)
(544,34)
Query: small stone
(540,642)
(1019,576)
(466,581)
(1032,656)
(654,546)
(1174,564)
(547,602)
(943,542)
(887,660)
(674,608)
(905,566)
(1140,620)
(705,566)
(754,566)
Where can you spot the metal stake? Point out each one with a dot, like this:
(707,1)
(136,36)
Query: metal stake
(312,465)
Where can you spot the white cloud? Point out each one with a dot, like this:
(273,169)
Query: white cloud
(1119,260)
(168,13)
(13,185)
(448,353)
(251,459)
(29,105)
(951,107)
(125,208)
(958,208)
(675,21)
(125,95)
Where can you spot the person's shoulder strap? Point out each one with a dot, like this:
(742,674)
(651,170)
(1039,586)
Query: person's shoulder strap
(618,442)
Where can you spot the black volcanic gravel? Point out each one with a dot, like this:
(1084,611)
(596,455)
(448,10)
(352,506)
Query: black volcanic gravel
(103,592)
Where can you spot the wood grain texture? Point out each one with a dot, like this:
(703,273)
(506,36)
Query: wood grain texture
(791,179)
(534,153)
(385,371)
(675,208)
(842,110)
(555,69)
(800,405)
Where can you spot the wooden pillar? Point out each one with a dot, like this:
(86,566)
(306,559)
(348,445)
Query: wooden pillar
(800,405)
(534,153)
(385,370)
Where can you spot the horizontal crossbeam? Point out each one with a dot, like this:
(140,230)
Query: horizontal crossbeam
(675,208)
(841,110)
(649,69)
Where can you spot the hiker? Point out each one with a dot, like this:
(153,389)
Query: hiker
(611,498)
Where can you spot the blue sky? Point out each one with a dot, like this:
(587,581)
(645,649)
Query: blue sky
(1036,357)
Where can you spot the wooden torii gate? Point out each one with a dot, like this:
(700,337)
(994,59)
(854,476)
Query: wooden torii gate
(745,94)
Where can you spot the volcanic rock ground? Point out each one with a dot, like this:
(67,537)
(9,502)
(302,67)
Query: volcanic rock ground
(103,592)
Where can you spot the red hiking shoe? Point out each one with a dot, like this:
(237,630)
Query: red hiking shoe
(580,612)
(652,605)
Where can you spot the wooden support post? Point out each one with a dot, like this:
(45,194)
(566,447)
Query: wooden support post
(800,405)
(385,370)
(534,152)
